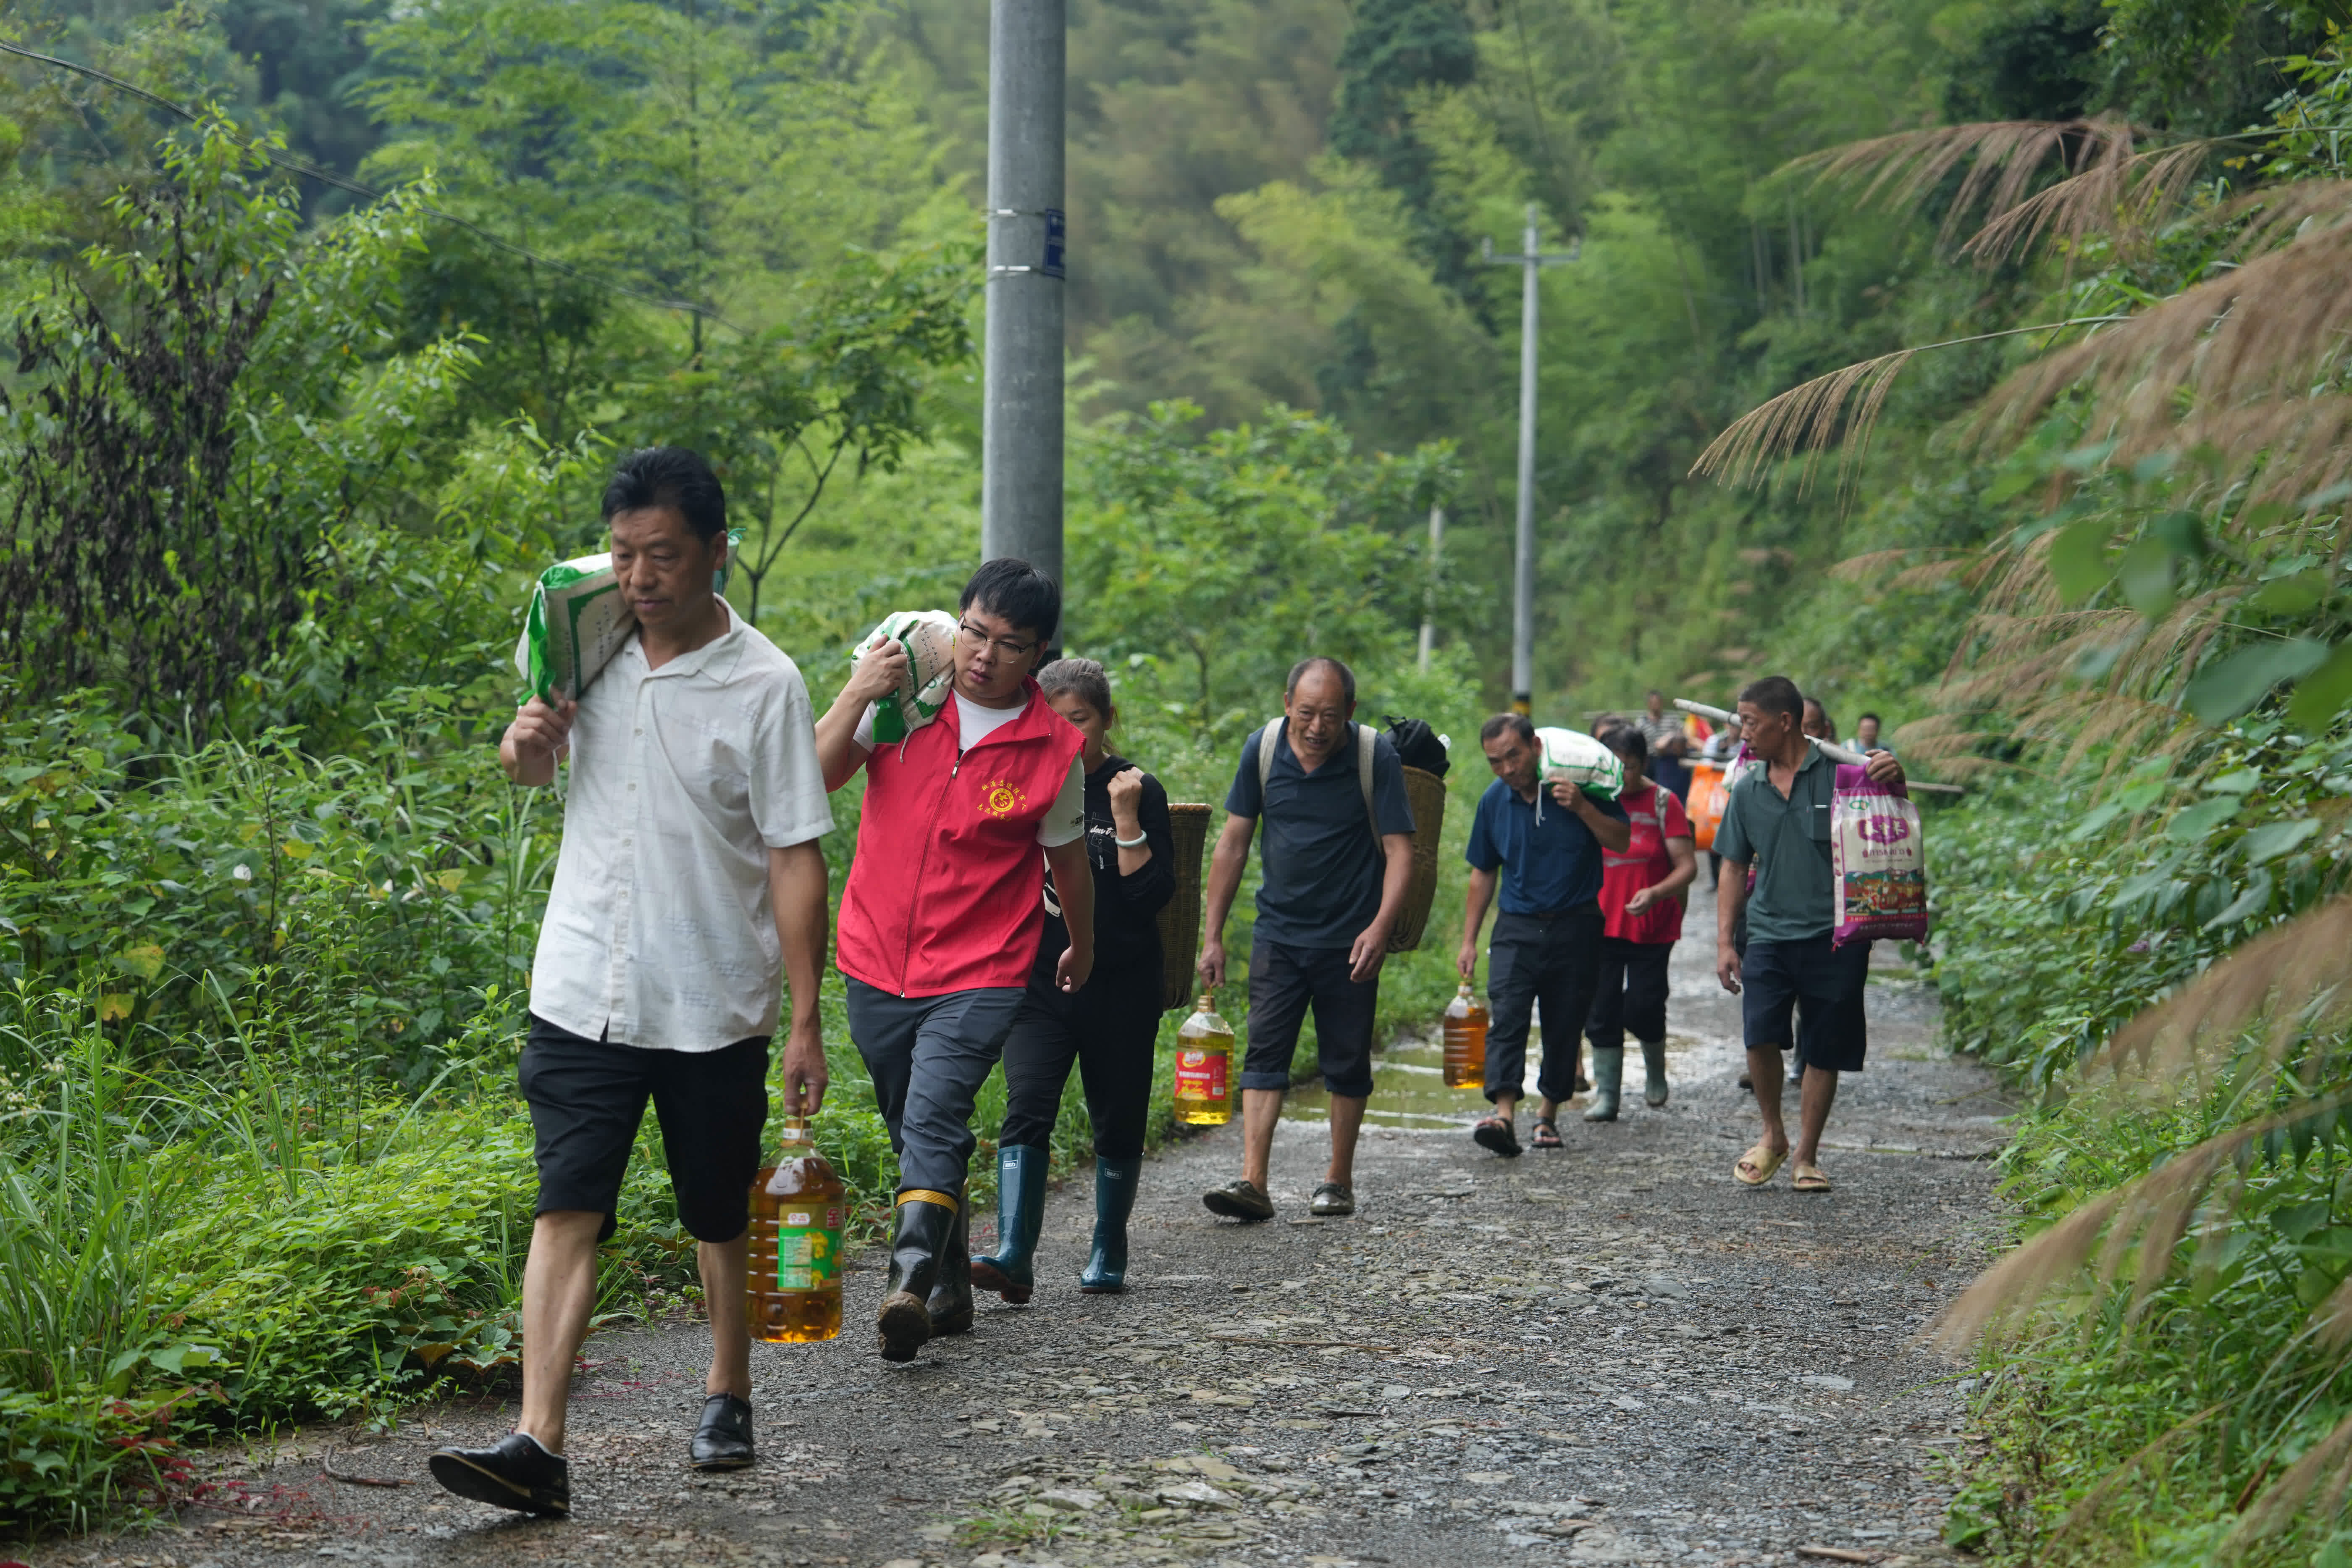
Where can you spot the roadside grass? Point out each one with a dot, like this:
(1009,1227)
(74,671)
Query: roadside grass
(2142,1411)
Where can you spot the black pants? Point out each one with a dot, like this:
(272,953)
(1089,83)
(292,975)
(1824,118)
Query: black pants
(1557,962)
(1632,995)
(1108,1028)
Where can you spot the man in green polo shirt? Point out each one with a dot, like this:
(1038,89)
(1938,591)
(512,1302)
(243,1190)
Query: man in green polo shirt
(1777,817)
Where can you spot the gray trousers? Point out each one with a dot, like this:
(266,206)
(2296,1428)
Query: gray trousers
(927,1057)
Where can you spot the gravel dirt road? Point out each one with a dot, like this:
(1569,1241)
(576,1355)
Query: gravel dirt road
(1613,1354)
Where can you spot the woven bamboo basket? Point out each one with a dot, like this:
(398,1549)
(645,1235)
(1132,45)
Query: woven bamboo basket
(1179,917)
(1426,792)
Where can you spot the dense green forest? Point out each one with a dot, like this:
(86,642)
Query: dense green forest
(1976,363)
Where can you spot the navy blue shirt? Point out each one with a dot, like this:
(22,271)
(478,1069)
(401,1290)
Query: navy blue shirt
(1322,866)
(1548,865)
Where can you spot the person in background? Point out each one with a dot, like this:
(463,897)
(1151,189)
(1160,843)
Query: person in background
(1336,875)
(690,875)
(1655,724)
(1642,891)
(1108,1028)
(1543,845)
(1720,749)
(1668,770)
(940,920)
(1865,736)
(1779,817)
(1817,722)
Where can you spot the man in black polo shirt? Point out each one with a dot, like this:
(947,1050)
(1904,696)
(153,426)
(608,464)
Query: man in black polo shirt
(1779,815)
(1546,845)
(1337,867)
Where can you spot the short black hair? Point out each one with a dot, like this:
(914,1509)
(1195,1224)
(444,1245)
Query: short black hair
(1012,589)
(1626,742)
(1775,694)
(1082,677)
(1514,723)
(669,476)
(1871,717)
(1322,660)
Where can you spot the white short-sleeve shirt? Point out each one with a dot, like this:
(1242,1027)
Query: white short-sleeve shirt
(659,929)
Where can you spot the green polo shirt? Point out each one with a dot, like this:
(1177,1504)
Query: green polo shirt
(1793,897)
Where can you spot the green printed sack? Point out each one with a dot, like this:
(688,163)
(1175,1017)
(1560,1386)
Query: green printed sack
(928,637)
(577,621)
(1567,757)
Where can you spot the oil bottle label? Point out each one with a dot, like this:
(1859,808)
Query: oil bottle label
(808,1253)
(1201,1075)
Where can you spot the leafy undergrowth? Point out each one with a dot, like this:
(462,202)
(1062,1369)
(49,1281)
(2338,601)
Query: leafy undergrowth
(2153,1419)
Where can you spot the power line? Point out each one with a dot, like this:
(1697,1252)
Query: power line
(308,170)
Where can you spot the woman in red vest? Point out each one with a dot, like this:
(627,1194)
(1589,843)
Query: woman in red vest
(943,909)
(1642,894)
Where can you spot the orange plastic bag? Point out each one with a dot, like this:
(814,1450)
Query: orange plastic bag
(1707,795)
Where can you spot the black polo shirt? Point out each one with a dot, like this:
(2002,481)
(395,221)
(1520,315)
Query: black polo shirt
(1322,866)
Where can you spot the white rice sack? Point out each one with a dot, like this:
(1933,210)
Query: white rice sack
(928,637)
(1570,758)
(577,621)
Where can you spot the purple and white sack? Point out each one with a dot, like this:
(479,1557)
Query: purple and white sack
(1878,861)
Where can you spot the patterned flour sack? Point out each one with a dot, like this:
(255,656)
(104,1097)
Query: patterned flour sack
(576,622)
(1879,863)
(1568,757)
(928,637)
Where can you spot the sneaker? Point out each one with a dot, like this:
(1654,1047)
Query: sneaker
(723,1439)
(1333,1201)
(1238,1200)
(515,1473)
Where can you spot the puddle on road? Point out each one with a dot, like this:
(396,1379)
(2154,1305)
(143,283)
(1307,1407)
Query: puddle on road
(1409,1084)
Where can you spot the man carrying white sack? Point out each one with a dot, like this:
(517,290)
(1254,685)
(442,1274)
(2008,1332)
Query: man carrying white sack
(1547,947)
(689,873)
(1791,972)
(945,904)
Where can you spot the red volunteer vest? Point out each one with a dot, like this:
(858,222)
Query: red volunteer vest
(946,889)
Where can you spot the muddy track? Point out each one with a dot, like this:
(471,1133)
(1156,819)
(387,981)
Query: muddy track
(1606,1354)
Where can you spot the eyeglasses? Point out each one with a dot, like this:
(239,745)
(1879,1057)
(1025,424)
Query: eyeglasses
(973,638)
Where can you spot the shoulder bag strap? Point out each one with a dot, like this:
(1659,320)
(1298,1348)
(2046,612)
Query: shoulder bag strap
(1265,739)
(1365,741)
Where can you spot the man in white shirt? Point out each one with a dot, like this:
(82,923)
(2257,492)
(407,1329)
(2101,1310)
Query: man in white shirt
(690,873)
(944,907)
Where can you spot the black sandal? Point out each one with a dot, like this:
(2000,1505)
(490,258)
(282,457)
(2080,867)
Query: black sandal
(1495,1133)
(1547,1135)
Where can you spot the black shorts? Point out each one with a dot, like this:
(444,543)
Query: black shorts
(1822,985)
(587,1097)
(1284,982)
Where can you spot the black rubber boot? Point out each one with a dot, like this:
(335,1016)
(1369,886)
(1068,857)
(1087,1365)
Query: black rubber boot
(918,1239)
(1115,1184)
(1020,1214)
(950,1303)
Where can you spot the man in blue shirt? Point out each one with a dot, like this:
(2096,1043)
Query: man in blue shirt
(1546,845)
(1337,861)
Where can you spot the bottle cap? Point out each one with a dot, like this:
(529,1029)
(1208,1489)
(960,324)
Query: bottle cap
(1208,1002)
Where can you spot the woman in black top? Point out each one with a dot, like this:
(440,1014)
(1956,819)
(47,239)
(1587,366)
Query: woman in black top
(1108,1025)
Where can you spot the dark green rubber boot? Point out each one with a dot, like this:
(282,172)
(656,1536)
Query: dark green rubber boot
(1019,1214)
(1115,1184)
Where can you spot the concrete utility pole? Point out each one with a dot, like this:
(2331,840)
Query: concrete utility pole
(1429,594)
(1021,410)
(1523,577)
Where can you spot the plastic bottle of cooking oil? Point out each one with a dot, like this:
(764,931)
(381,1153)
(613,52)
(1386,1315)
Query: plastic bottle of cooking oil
(1204,1051)
(798,1206)
(1466,1040)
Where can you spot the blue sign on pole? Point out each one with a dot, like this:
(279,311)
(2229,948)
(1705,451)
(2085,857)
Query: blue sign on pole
(1057,234)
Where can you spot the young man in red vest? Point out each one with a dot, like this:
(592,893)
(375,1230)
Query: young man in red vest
(941,916)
